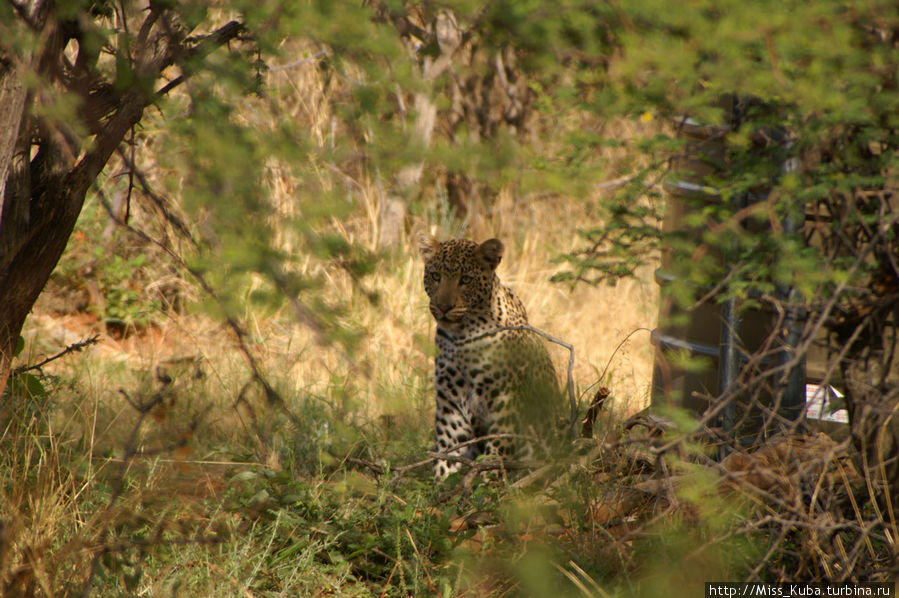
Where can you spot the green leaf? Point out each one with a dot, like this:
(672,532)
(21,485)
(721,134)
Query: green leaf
(33,386)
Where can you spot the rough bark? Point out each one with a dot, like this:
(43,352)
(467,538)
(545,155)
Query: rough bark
(48,169)
(12,104)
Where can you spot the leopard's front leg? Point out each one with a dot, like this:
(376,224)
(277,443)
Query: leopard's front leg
(500,430)
(496,401)
(452,418)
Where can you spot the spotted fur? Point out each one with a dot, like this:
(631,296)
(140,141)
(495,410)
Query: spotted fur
(489,381)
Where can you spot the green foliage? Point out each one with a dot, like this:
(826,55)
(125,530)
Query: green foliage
(224,167)
(814,81)
(26,385)
(348,527)
(126,304)
(339,516)
(117,273)
(25,393)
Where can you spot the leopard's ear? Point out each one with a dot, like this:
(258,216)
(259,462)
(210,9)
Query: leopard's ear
(428,246)
(490,253)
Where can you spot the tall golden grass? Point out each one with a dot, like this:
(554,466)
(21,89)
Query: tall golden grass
(595,320)
(395,352)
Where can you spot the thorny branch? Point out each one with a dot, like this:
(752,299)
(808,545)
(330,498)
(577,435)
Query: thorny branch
(74,347)
(161,203)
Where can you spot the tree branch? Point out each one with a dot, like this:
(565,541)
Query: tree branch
(70,349)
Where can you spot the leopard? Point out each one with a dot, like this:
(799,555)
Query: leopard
(494,379)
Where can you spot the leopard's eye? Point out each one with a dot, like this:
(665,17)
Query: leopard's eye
(433,276)
(464,279)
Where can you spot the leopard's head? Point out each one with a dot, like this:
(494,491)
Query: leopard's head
(460,276)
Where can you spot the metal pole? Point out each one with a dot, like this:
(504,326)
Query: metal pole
(793,382)
(728,361)
(731,323)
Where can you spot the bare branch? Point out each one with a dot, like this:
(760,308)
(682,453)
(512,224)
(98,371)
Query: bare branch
(296,63)
(74,347)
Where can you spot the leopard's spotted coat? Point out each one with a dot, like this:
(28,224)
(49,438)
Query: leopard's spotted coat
(489,381)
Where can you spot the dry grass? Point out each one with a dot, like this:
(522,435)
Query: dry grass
(395,353)
(535,231)
(593,320)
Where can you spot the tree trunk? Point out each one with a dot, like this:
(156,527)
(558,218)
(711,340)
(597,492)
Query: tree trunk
(12,111)
(47,171)
(41,203)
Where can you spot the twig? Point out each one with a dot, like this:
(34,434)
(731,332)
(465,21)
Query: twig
(476,468)
(376,469)
(615,183)
(533,476)
(290,65)
(160,201)
(435,456)
(70,349)
(171,85)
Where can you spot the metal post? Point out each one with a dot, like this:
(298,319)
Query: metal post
(728,360)
(731,323)
(792,387)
